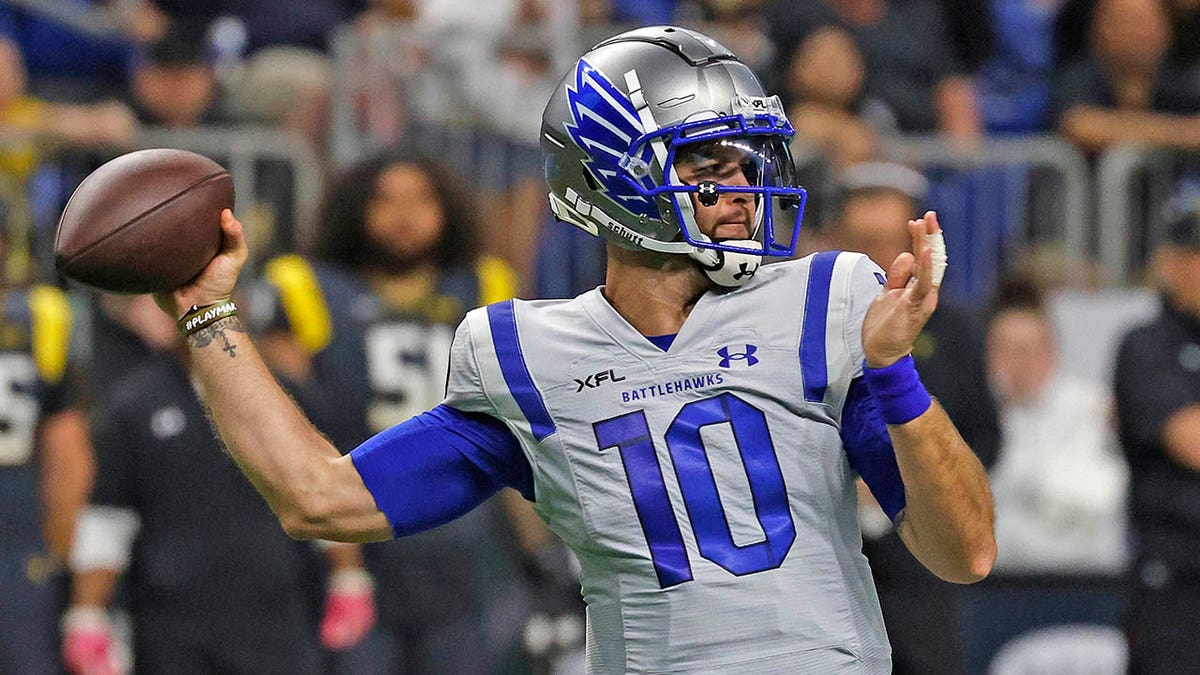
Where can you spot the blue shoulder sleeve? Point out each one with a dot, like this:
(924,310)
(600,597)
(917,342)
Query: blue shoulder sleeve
(439,465)
(869,448)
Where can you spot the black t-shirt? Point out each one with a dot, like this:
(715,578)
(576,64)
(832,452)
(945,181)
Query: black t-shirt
(208,542)
(1158,374)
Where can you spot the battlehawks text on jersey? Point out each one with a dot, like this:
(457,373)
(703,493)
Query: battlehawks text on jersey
(704,489)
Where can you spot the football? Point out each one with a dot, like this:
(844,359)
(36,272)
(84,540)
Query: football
(145,222)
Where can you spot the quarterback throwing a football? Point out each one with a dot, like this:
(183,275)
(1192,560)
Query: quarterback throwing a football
(693,429)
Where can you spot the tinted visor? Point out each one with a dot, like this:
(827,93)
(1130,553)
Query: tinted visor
(756,161)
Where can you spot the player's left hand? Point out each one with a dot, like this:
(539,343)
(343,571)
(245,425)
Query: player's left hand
(349,609)
(908,299)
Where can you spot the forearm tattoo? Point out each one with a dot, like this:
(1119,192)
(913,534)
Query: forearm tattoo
(215,332)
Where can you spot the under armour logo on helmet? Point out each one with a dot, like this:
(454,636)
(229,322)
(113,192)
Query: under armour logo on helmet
(706,191)
(745,270)
(728,357)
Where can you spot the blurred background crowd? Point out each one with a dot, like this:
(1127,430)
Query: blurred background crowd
(386,164)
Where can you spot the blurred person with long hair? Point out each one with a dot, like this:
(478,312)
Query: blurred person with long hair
(370,319)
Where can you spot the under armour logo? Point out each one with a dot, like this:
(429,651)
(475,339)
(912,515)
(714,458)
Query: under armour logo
(746,270)
(748,356)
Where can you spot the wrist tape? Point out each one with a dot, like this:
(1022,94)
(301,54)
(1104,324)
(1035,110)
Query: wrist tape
(897,390)
(200,316)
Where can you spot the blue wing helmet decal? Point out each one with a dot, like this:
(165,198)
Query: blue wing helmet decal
(605,124)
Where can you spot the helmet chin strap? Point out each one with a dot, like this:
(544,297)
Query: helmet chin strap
(729,269)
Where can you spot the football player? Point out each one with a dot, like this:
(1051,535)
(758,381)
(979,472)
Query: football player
(45,469)
(369,320)
(693,429)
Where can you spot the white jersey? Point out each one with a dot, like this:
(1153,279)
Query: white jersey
(704,489)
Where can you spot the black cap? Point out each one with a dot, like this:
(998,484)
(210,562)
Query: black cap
(1182,226)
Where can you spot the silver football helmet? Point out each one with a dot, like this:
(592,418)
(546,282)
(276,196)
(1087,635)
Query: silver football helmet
(638,102)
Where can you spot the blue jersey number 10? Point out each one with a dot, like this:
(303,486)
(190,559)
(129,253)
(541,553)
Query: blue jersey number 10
(630,434)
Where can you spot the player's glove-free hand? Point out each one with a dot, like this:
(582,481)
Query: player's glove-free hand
(87,645)
(349,609)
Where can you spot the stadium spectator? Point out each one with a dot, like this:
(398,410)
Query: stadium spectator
(742,26)
(1124,90)
(173,82)
(78,51)
(371,321)
(32,128)
(925,89)
(461,61)
(1015,78)
(28,121)
(270,56)
(38,125)
(969,24)
(268,23)
(215,586)
(869,207)
(1059,480)
(825,85)
(46,468)
(457,73)
(1157,386)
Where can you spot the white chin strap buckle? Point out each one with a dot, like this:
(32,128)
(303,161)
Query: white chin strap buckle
(728,268)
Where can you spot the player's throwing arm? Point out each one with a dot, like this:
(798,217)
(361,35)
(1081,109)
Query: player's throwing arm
(313,489)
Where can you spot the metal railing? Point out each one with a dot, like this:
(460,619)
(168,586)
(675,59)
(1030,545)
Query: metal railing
(278,180)
(1042,152)
(1132,183)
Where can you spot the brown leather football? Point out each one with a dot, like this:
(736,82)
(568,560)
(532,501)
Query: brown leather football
(145,222)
